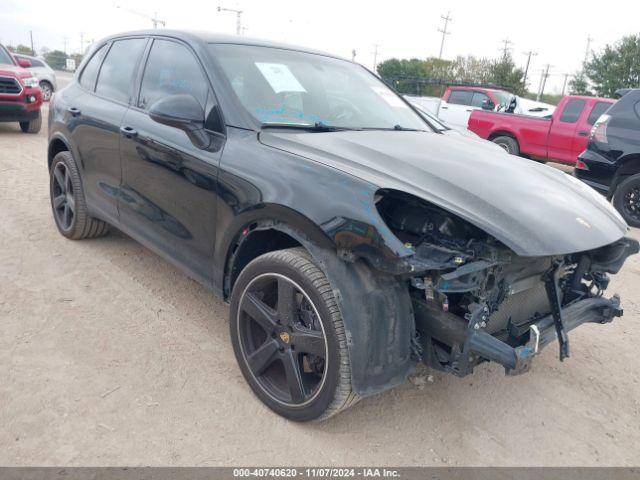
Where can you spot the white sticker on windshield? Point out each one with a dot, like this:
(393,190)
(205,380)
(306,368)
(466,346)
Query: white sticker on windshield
(389,97)
(280,77)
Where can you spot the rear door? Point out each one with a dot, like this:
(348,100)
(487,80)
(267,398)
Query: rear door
(563,131)
(585,123)
(94,121)
(457,109)
(169,193)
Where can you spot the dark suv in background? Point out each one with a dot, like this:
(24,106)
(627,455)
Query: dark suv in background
(611,162)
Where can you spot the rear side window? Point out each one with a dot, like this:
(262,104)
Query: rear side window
(116,74)
(598,109)
(572,111)
(90,72)
(171,69)
(460,97)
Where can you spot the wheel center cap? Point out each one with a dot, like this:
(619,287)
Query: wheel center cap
(284,336)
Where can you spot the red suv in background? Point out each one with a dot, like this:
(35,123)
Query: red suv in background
(20,94)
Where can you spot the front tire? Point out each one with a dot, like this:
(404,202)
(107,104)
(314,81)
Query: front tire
(47,90)
(509,144)
(32,126)
(68,203)
(289,338)
(627,200)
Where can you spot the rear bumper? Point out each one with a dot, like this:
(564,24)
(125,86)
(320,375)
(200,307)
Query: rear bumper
(517,360)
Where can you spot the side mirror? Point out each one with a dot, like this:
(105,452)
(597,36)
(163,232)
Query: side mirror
(488,105)
(24,62)
(182,111)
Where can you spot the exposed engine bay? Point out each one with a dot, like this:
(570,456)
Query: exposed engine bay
(475,300)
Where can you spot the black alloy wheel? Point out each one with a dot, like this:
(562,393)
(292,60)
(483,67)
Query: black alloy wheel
(63,200)
(282,339)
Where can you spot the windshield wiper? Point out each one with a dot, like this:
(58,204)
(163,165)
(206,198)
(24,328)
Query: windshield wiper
(397,128)
(316,127)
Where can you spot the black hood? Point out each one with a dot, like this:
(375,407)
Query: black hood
(532,208)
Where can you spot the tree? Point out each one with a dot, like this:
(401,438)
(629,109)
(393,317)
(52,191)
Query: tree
(56,59)
(471,69)
(23,49)
(503,72)
(618,66)
(579,85)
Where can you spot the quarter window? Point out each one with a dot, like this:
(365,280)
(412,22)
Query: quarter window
(479,98)
(90,72)
(460,97)
(171,70)
(572,111)
(116,75)
(598,109)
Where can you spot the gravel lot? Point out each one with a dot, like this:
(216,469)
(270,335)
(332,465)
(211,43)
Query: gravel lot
(110,356)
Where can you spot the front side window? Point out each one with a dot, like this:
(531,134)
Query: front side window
(90,72)
(171,69)
(572,111)
(479,99)
(280,86)
(5,57)
(460,97)
(116,75)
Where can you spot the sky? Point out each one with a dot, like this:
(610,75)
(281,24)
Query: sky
(556,30)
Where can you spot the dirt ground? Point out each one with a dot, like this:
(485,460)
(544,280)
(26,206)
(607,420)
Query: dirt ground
(110,356)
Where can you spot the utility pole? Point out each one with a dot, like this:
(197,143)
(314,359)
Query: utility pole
(64,39)
(375,57)
(353,55)
(238,18)
(505,49)
(588,49)
(33,50)
(81,42)
(543,81)
(444,32)
(529,54)
(564,85)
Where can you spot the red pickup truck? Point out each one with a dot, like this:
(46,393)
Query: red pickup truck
(558,138)
(20,94)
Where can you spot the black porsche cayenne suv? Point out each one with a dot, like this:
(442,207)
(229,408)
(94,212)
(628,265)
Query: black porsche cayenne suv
(351,241)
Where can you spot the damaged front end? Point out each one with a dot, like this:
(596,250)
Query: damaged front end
(475,300)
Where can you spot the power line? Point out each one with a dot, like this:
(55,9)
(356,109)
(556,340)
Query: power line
(444,31)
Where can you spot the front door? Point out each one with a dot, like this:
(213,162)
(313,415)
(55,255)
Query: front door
(563,131)
(168,199)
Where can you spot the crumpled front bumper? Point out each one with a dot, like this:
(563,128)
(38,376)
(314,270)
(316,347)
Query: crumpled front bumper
(517,360)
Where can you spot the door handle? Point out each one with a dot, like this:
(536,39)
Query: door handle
(74,111)
(128,132)
(470,110)
(444,108)
(583,133)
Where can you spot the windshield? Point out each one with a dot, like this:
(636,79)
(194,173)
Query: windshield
(5,57)
(279,86)
(435,122)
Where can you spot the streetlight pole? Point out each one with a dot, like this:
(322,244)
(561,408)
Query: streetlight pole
(238,18)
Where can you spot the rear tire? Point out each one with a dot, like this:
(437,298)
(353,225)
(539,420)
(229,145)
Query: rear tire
(68,203)
(322,385)
(627,200)
(32,126)
(509,144)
